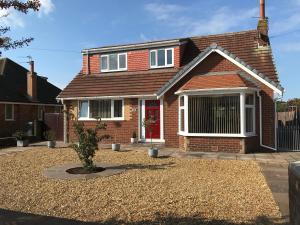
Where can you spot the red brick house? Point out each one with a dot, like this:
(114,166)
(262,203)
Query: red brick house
(206,93)
(24,97)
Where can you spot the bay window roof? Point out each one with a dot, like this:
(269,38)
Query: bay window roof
(218,81)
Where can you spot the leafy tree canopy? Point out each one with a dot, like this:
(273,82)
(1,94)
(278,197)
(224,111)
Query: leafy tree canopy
(5,41)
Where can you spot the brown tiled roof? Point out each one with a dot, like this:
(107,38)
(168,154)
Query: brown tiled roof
(217,81)
(118,84)
(13,85)
(242,44)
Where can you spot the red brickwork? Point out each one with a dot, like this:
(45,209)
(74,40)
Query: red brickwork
(214,63)
(22,115)
(136,61)
(121,131)
(215,144)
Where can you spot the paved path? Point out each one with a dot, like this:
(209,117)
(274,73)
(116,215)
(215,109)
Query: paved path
(277,178)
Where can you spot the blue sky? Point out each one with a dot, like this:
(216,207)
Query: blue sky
(63,28)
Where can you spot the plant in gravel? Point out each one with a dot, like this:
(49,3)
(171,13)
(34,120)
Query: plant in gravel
(148,124)
(50,135)
(88,142)
(20,135)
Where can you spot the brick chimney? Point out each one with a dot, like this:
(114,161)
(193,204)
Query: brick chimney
(32,82)
(263,24)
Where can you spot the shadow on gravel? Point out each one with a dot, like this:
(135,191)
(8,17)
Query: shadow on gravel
(8,217)
(143,166)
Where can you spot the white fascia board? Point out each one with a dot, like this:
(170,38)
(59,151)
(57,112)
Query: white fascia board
(109,97)
(217,91)
(231,60)
(256,76)
(186,72)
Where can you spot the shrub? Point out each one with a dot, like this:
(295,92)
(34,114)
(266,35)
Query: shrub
(88,143)
(20,135)
(50,135)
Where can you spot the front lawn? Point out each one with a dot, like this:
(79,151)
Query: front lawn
(165,189)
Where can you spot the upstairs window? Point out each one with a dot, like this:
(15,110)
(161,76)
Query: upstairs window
(162,58)
(114,62)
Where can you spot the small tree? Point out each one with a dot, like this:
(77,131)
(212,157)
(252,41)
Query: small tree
(88,143)
(148,124)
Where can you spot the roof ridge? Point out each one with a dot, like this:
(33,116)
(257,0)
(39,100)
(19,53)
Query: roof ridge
(173,39)
(223,34)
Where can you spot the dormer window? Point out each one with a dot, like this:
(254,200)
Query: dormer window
(114,62)
(162,58)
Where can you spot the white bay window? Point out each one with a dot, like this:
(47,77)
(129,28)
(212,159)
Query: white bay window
(106,109)
(227,115)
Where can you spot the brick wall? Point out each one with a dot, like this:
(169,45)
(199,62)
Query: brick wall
(121,130)
(22,115)
(214,63)
(136,61)
(294,193)
(215,144)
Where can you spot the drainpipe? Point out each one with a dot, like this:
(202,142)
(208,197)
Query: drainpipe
(65,122)
(260,127)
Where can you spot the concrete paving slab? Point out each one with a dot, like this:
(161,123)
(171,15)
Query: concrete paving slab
(276,176)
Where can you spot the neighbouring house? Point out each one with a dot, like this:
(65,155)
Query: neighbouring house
(24,97)
(206,93)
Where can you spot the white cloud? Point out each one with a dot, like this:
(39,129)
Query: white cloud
(286,24)
(143,37)
(221,20)
(9,17)
(163,11)
(13,18)
(47,7)
(289,47)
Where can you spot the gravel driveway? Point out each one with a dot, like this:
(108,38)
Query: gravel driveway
(162,191)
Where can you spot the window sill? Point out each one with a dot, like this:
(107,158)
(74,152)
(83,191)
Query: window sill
(9,120)
(161,67)
(112,71)
(214,135)
(111,119)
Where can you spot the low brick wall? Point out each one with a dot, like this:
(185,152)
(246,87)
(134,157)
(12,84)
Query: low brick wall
(294,193)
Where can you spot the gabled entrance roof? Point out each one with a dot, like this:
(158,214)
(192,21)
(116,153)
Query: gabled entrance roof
(226,54)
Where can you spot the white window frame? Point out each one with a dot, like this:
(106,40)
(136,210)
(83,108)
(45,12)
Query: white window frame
(118,56)
(89,118)
(40,112)
(242,116)
(13,112)
(156,58)
(253,114)
(181,108)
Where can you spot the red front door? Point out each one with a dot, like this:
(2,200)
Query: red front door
(152,109)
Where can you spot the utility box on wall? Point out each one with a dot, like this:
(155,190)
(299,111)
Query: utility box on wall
(294,193)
